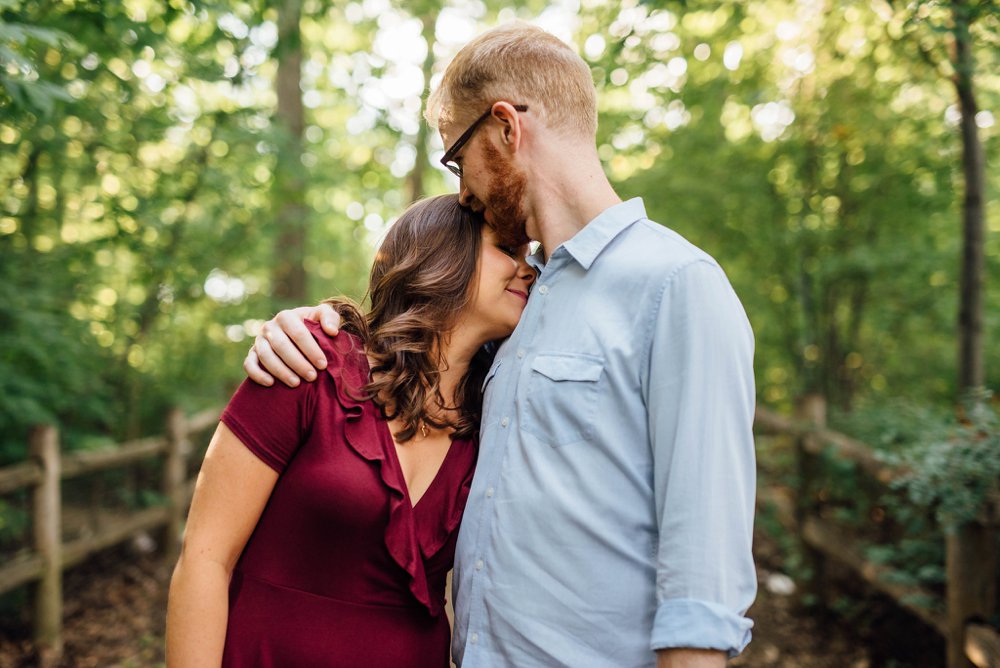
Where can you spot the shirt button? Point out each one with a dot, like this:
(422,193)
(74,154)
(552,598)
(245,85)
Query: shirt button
(543,289)
(489,492)
(479,565)
(504,422)
(474,638)
(520,354)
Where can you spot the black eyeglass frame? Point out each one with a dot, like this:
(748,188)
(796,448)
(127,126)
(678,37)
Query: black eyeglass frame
(449,155)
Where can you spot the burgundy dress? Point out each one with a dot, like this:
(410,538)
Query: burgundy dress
(341,569)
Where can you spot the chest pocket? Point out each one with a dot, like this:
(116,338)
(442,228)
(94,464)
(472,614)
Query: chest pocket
(561,401)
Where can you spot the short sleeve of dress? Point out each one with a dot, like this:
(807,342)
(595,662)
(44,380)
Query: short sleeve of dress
(272,422)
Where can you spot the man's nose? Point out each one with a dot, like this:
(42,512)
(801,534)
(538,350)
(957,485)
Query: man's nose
(467,199)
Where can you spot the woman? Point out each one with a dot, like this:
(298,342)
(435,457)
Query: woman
(324,519)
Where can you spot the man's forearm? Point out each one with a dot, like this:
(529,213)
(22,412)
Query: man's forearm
(690,658)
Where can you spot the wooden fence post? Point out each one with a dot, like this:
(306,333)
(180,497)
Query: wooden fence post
(173,483)
(811,409)
(47,525)
(972,560)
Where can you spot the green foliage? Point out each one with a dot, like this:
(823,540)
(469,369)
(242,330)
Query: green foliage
(954,467)
(14,523)
(818,165)
(135,243)
(915,561)
(893,426)
(951,467)
(51,370)
(20,85)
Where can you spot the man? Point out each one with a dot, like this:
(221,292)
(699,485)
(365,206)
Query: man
(610,518)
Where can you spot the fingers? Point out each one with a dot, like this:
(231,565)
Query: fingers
(295,344)
(279,355)
(285,348)
(272,363)
(251,365)
(328,317)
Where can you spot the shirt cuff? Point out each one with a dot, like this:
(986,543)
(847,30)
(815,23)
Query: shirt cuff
(684,622)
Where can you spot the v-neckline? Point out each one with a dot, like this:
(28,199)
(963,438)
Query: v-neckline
(387,433)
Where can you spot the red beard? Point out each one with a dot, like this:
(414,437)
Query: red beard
(505,198)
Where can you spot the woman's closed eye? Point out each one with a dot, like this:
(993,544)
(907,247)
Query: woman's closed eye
(507,250)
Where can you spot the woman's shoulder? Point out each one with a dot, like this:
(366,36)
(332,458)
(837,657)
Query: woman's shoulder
(347,370)
(345,352)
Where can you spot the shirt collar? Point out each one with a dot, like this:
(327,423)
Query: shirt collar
(588,243)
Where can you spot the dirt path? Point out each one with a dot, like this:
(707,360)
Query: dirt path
(114,615)
(785,637)
(116,603)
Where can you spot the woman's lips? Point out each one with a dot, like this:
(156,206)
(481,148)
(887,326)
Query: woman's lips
(522,295)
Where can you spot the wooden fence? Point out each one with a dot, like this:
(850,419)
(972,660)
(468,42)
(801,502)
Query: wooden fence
(43,474)
(971,549)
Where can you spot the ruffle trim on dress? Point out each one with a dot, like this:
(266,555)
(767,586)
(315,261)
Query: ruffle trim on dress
(432,542)
(348,366)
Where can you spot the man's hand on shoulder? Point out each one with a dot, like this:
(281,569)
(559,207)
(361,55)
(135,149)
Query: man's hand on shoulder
(286,349)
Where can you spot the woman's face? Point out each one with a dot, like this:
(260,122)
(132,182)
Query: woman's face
(502,293)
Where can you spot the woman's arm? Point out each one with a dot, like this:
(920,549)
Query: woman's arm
(232,490)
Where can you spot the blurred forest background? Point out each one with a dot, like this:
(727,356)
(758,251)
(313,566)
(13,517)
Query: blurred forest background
(159,188)
(172,172)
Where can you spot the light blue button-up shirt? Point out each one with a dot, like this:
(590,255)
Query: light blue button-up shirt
(612,508)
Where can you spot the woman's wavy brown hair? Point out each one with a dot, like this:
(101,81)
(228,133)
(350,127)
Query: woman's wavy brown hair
(420,282)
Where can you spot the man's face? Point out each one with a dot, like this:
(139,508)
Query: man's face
(504,196)
(491,182)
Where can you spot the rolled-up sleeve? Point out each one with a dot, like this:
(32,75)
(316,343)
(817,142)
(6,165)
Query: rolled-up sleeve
(699,390)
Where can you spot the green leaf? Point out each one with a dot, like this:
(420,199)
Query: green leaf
(14,58)
(20,34)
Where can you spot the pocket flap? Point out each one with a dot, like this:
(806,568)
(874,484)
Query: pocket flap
(568,367)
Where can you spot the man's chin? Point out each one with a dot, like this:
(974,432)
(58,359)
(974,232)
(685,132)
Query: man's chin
(510,231)
(513,236)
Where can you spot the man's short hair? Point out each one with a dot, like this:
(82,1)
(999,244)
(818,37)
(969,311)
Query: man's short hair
(521,64)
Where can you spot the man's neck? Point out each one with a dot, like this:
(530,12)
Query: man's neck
(569,191)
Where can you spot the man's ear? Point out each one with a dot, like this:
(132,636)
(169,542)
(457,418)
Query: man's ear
(511,130)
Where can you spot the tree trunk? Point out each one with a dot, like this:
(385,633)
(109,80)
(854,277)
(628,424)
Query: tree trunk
(29,211)
(810,294)
(970,314)
(971,559)
(288,194)
(415,181)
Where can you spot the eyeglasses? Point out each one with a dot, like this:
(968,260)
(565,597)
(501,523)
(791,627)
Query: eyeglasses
(448,159)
